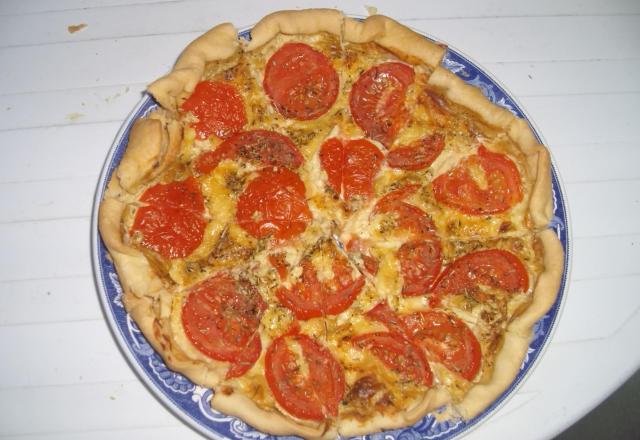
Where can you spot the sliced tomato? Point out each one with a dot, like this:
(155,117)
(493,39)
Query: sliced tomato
(246,358)
(494,268)
(332,159)
(325,374)
(413,219)
(279,263)
(383,314)
(419,258)
(350,166)
(448,338)
(301,82)
(312,397)
(397,354)
(439,333)
(305,297)
(419,155)
(262,146)
(420,263)
(220,317)
(377,100)
(361,164)
(172,221)
(274,204)
(459,190)
(311,298)
(218,107)
(343,289)
(407,216)
(357,246)
(396,196)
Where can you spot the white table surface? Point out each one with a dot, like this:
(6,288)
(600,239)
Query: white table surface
(574,65)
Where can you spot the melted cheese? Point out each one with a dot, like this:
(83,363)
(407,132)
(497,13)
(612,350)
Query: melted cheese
(447,160)
(323,264)
(275,320)
(388,279)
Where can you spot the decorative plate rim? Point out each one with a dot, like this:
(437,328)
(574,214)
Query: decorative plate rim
(555,312)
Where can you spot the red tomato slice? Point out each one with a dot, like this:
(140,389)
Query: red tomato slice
(420,263)
(419,258)
(332,158)
(460,191)
(279,264)
(413,219)
(377,100)
(383,314)
(220,317)
(442,334)
(274,204)
(420,154)
(342,290)
(448,338)
(350,166)
(408,216)
(361,164)
(325,374)
(397,354)
(301,82)
(218,107)
(314,397)
(304,298)
(246,358)
(263,146)
(311,298)
(495,268)
(172,222)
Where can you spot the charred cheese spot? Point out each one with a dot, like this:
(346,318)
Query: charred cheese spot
(367,392)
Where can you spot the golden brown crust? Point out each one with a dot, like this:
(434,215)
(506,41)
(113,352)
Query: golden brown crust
(392,35)
(268,421)
(459,92)
(432,400)
(219,43)
(539,164)
(506,368)
(306,21)
(545,292)
(153,144)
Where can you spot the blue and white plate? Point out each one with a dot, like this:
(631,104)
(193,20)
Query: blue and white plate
(190,402)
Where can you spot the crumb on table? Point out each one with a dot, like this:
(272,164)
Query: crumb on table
(72,29)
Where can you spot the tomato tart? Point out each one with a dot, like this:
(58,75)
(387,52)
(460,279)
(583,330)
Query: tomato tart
(329,229)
